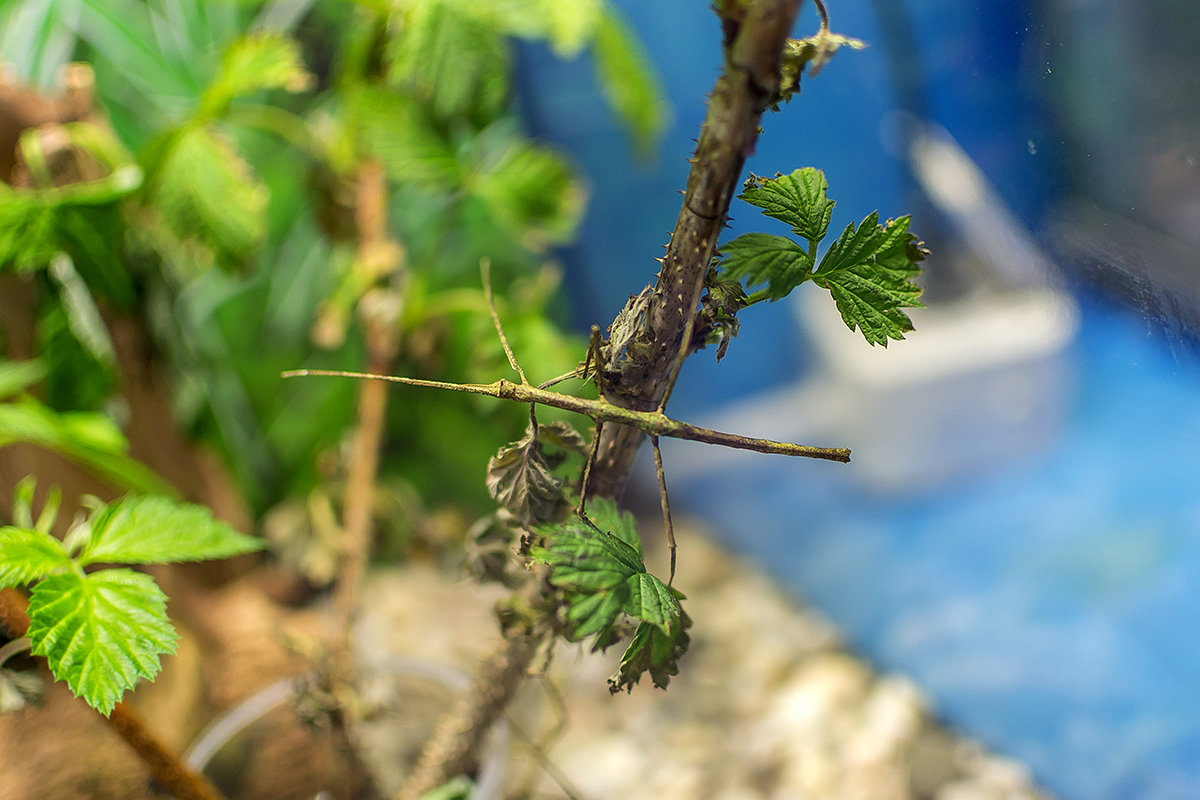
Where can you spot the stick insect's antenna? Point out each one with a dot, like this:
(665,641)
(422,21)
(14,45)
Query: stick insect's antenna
(485,271)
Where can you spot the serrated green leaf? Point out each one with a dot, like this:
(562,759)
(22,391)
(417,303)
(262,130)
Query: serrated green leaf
(653,602)
(100,633)
(856,245)
(869,272)
(530,190)
(608,516)
(588,559)
(396,129)
(763,259)
(451,57)
(603,579)
(655,651)
(207,195)
(629,81)
(157,530)
(798,199)
(594,615)
(28,555)
(264,60)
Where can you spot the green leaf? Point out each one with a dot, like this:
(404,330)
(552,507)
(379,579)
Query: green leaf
(655,651)
(396,129)
(264,60)
(207,195)
(459,787)
(451,57)
(798,199)
(603,579)
(36,223)
(157,530)
(29,555)
(36,40)
(765,259)
(530,190)
(869,272)
(606,515)
(567,25)
(22,510)
(629,82)
(91,439)
(127,39)
(28,234)
(16,376)
(100,633)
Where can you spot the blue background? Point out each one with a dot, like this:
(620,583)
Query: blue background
(1045,603)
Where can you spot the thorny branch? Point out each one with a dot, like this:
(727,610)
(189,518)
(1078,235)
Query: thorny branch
(754,43)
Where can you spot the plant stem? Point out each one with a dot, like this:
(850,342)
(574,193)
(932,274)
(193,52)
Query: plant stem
(652,423)
(453,749)
(753,49)
(164,764)
(371,221)
(379,257)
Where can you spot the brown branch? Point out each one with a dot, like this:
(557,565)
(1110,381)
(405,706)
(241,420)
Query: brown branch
(754,46)
(453,748)
(164,764)
(378,257)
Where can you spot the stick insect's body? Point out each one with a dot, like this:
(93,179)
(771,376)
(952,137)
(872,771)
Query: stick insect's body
(601,411)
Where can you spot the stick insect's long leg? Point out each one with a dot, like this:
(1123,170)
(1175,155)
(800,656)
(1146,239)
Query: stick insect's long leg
(666,505)
(592,361)
(672,376)
(485,269)
(584,482)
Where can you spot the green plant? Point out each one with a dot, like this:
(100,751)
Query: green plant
(102,628)
(377,183)
(198,147)
(868,270)
(594,559)
(593,581)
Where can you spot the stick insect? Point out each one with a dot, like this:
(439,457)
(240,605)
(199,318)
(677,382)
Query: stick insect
(601,411)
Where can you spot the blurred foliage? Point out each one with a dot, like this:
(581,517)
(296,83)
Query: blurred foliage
(216,203)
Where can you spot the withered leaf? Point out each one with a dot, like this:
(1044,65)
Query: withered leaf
(520,477)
